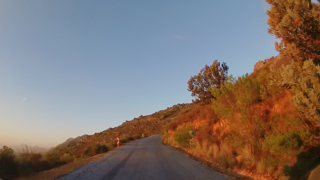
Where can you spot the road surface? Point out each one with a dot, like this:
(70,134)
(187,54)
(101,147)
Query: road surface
(145,159)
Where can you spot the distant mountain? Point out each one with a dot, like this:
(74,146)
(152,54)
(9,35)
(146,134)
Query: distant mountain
(23,148)
(72,141)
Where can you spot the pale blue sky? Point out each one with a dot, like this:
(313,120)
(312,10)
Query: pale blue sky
(75,67)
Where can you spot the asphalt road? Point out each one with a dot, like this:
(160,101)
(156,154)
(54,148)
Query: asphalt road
(145,159)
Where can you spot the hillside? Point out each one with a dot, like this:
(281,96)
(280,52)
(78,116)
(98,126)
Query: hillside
(265,125)
(143,125)
(27,162)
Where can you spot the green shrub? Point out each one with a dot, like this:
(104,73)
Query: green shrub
(305,84)
(247,91)
(53,157)
(67,158)
(284,143)
(234,140)
(96,149)
(182,136)
(235,96)
(272,161)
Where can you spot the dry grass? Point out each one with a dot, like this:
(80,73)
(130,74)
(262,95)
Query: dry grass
(261,167)
(215,151)
(248,157)
(201,150)
(271,170)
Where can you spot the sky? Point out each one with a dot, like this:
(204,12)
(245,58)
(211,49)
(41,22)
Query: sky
(75,67)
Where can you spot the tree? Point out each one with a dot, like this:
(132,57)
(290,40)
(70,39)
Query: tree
(296,23)
(208,78)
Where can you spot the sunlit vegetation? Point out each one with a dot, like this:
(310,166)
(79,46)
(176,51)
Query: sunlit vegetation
(267,122)
(182,136)
(14,165)
(209,77)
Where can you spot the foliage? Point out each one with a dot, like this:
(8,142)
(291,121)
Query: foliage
(96,149)
(208,78)
(112,144)
(305,84)
(307,91)
(67,158)
(54,157)
(306,161)
(26,163)
(8,165)
(137,136)
(202,134)
(283,143)
(235,140)
(235,95)
(130,138)
(271,117)
(182,136)
(14,165)
(296,23)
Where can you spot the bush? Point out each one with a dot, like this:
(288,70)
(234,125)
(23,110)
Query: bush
(247,91)
(67,158)
(53,158)
(306,161)
(111,144)
(284,143)
(29,163)
(137,136)
(122,141)
(182,136)
(234,140)
(130,138)
(226,160)
(96,149)
(235,95)
(8,165)
(202,134)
